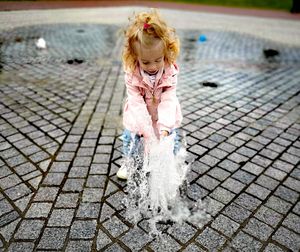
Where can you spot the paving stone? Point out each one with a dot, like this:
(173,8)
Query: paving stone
(292,221)
(222,195)
(8,218)
(197,192)
(233,185)
(278,204)
(17,192)
(209,160)
(37,210)
(99,169)
(229,165)
(199,167)
(61,218)
(290,158)
(295,174)
(164,243)
(239,159)
(268,216)
(206,143)
(5,207)
(182,232)
(82,161)
(269,154)
(4,171)
(107,149)
(8,230)
(79,245)
(115,226)
(59,167)
(24,168)
(53,238)
(65,156)
(73,185)
(258,191)
(258,229)
(111,188)
(53,179)
(244,242)
(235,141)
(101,158)
(296,209)
(102,240)
(88,210)
(208,182)
(253,168)
(16,160)
(9,181)
(67,200)
(227,147)
(225,225)
(213,206)
(246,151)
(29,229)
(287,194)
(115,248)
(219,174)
(83,229)
(96,181)
(46,194)
(292,183)
(272,248)
(136,239)
(92,195)
(193,248)
(244,177)
(21,247)
(267,182)
(211,240)
(293,151)
(236,212)
(284,166)
(287,238)
(197,149)
(261,161)
(247,201)
(106,140)
(78,172)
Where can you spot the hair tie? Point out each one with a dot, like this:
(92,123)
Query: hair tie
(146,26)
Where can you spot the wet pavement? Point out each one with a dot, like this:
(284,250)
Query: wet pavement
(61,116)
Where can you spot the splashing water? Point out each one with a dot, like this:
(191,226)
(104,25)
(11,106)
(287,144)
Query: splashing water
(156,185)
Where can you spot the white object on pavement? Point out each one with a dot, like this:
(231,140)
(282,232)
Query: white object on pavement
(41,43)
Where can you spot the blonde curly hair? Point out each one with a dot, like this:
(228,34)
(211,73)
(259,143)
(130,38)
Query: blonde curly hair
(145,29)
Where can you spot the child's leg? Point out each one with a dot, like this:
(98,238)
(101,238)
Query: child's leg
(176,141)
(130,150)
(130,143)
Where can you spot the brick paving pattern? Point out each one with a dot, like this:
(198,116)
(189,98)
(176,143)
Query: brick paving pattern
(61,116)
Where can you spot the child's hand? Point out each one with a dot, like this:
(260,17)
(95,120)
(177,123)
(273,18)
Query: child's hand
(164,133)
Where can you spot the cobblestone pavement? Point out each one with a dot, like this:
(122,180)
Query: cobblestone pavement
(59,146)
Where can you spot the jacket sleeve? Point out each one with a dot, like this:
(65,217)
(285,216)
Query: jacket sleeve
(167,107)
(136,116)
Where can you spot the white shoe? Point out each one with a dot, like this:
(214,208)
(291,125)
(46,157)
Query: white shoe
(123,172)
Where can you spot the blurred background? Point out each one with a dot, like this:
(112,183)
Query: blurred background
(284,5)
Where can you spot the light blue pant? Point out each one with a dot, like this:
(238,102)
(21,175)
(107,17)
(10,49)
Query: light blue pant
(131,143)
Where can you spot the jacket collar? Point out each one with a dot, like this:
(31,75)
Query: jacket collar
(165,79)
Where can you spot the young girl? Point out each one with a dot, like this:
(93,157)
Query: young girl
(152,109)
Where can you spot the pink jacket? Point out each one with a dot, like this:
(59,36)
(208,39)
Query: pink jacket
(150,108)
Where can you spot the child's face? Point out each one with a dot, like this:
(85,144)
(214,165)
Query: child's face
(151,58)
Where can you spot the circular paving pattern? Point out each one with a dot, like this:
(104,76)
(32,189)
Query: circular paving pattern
(61,113)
